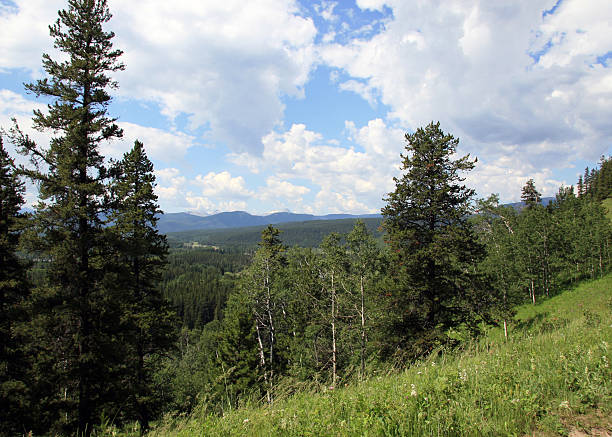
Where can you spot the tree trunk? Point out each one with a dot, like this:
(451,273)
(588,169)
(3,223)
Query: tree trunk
(363,331)
(333,326)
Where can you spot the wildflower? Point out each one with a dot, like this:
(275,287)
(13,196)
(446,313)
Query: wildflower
(413,392)
(245,421)
(514,401)
(564,404)
(331,387)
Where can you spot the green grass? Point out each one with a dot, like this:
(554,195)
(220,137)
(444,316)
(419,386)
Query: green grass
(551,377)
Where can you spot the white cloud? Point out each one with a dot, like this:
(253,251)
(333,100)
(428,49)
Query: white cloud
(13,105)
(276,188)
(503,76)
(159,144)
(347,180)
(24,33)
(203,194)
(223,64)
(222,184)
(375,5)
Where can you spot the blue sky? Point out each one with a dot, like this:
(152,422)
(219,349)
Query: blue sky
(272,105)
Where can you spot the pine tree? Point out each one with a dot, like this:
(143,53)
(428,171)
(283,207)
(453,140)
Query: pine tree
(14,291)
(433,246)
(530,195)
(148,331)
(77,316)
(580,186)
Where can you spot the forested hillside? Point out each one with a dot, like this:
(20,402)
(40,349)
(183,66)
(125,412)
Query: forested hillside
(551,377)
(109,327)
(303,234)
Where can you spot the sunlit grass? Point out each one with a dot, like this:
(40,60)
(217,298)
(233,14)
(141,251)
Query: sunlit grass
(554,369)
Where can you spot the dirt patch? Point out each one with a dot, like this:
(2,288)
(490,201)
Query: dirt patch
(593,424)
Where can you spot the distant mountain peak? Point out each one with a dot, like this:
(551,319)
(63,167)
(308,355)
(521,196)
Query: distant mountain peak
(189,221)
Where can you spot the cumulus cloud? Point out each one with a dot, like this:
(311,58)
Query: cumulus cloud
(203,194)
(15,106)
(159,144)
(225,65)
(347,179)
(508,78)
(24,33)
(223,185)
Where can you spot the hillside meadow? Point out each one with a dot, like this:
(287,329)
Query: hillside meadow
(551,377)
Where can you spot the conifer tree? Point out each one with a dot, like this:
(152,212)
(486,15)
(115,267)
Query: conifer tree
(77,316)
(148,329)
(530,195)
(14,291)
(433,246)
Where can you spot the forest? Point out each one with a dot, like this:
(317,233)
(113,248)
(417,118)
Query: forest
(102,322)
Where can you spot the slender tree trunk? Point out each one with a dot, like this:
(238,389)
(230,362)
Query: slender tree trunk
(363,330)
(271,333)
(262,360)
(333,326)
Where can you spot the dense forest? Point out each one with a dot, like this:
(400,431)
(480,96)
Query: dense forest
(101,321)
(303,234)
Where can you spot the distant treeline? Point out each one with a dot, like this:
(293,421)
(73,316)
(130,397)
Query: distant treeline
(303,234)
(596,182)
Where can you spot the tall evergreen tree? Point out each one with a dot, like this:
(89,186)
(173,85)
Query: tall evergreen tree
(77,315)
(14,291)
(530,195)
(148,329)
(433,246)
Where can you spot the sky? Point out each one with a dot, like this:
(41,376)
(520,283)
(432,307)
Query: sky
(302,105)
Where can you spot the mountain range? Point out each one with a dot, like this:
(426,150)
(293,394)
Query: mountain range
(182,221)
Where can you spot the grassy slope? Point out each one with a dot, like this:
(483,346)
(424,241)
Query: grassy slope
(553,376)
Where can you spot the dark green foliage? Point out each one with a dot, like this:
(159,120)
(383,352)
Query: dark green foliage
(434,250)
(496,226)
(148,323)
(262,295)
(14,290)
(303,234)
(539,250)
(597,183)
(530,195)
(75,318)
